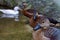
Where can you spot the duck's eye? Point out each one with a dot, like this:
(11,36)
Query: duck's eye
(42,22)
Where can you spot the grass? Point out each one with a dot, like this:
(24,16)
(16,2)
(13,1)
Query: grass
(11,30)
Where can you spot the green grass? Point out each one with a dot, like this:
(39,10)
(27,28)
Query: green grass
(11,30)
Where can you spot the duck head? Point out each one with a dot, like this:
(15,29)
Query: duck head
(16,8)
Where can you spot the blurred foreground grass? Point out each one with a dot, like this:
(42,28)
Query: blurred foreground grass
(11,30)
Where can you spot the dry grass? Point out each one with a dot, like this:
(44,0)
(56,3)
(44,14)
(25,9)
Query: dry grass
(11,30)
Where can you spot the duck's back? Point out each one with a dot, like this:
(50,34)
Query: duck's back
(9,11)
